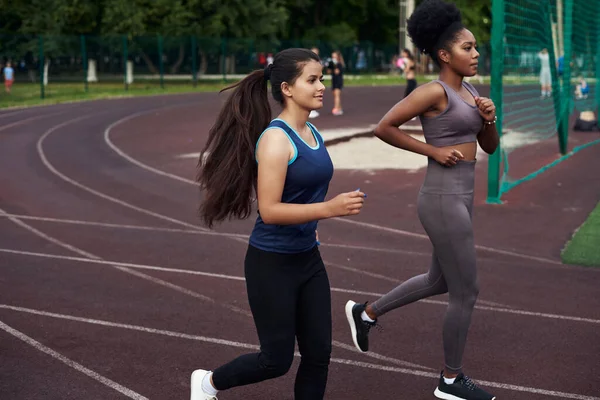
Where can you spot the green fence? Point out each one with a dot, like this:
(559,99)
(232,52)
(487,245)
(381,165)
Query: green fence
(535,126)
(65,67)
(85,63)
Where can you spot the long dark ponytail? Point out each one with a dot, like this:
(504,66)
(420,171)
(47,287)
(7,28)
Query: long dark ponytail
(227,170)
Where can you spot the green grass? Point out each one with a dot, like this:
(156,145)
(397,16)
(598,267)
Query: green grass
(584,247)
(28,94)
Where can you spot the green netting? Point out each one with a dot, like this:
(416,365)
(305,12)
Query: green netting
(586,30)
(534,121)
(105,62)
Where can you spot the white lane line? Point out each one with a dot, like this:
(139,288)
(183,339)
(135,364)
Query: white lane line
(134,161)
(48,165)
(381,357)
(375,249)
(421,236)
(501,310)
(95,258)
(195,227)
(398,281)
(121,226)
(27,120)
(49,238)
(505,386)
(129,326)
(122,268)
(108,197)
(213,233)
(346,220)
(92,374)
(16,220)
(180,335)
(102,195)
(8,114)
(199,232)
(354,363)
(77,185)
(333,289)
(363,272)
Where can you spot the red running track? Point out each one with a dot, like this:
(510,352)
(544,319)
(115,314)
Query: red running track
(110,288)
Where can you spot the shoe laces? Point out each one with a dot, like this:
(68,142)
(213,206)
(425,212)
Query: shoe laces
(468,383)
(370,325)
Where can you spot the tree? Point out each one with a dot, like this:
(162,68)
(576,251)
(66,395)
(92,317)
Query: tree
(341,23)
(203,18)
(57,20)
(344,21)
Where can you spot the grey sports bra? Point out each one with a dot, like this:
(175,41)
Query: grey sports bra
(459,123)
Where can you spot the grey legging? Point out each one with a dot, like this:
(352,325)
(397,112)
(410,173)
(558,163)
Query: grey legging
(445,208)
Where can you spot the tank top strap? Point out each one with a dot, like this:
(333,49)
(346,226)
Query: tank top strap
(471,89)
(316,133)
(293,138)
(450,93)
(277,123)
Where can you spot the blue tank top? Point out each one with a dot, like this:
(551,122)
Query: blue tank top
(306,182)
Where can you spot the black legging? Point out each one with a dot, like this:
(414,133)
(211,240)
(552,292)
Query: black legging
(411,84)
(290,298)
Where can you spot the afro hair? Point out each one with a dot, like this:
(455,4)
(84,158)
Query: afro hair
(433,25)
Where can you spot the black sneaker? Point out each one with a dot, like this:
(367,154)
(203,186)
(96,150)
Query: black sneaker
(463,388)
(359,327)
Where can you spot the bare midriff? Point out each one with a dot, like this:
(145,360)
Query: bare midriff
(469,150)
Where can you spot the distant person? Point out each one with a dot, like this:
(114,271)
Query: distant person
(560,65)
(361,61)
(545,74)
(582,90)
(336,69)
(9,77)
(262,59)
(409,71)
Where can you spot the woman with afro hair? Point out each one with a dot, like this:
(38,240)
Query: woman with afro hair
(454,119)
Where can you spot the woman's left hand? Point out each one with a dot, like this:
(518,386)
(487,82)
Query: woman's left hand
(486,108)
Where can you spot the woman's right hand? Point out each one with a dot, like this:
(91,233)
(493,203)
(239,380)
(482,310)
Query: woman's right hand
(345,204)
(447,157)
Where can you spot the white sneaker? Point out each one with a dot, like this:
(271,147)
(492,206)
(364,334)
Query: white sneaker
(313,114)
(196,386)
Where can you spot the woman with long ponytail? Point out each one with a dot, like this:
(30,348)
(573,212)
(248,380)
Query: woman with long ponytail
(285,164)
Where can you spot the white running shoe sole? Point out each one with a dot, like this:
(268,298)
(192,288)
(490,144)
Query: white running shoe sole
(445,396)
(196,392)
(350,318)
